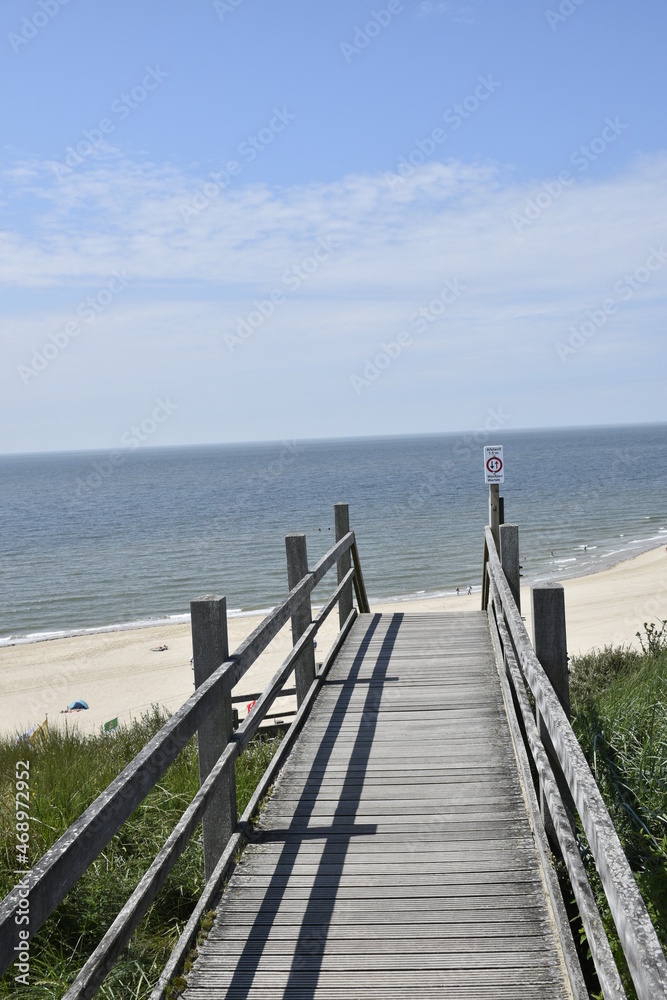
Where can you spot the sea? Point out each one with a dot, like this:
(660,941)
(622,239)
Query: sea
(92,541)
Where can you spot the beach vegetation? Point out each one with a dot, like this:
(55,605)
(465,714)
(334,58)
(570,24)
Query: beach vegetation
(619,714)
(67,771)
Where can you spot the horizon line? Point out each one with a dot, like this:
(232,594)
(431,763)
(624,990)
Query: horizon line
(332,439)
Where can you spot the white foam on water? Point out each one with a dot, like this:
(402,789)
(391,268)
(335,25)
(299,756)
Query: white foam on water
(183,619)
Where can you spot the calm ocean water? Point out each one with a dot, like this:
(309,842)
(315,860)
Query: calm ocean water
(87,543)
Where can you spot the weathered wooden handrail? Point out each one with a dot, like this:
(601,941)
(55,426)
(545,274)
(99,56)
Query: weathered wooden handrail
(116,938)
(61,866)
(605,965)
(212,887)
(645,958)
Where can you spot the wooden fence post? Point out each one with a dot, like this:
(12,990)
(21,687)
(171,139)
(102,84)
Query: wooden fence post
(210,648)
(297,568)
(342,525)
(509,558)
(550,644)
(494,513)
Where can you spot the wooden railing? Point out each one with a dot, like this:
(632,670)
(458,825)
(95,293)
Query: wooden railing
(59,869)
(566,781)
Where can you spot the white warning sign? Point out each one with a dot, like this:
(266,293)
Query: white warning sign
(494,465)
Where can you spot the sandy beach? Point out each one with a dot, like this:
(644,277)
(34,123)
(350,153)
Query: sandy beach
(120,676)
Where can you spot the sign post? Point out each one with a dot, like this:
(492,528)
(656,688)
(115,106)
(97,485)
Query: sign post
(494,475)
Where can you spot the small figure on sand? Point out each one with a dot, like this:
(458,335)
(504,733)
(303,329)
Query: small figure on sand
(469,591)
(159,649)
(457,591)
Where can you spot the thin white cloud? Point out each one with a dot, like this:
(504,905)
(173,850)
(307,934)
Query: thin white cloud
(392,247)
(445,217)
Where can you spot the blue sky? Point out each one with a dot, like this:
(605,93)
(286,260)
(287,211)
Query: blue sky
(277,221)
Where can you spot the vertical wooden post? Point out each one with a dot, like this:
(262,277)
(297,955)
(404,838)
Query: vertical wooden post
(359,585)
(297,568)
(509,558)
(342,525)
(210,648)
(550,643)
(550,638)
(494,513)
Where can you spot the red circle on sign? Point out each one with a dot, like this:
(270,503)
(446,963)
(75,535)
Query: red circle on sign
(494,465)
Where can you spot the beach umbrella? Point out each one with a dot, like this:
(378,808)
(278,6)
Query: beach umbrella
(79,703)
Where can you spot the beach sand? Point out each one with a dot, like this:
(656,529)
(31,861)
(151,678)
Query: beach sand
(119,675)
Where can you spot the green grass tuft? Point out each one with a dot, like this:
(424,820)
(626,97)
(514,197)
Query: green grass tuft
(619,708)
(67,772)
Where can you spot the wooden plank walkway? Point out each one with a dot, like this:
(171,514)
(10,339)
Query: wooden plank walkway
(395,857)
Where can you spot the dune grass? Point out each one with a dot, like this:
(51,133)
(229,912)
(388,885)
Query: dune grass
(619,707)
(67,771)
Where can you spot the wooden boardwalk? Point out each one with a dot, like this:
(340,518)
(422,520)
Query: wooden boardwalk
(395,857)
